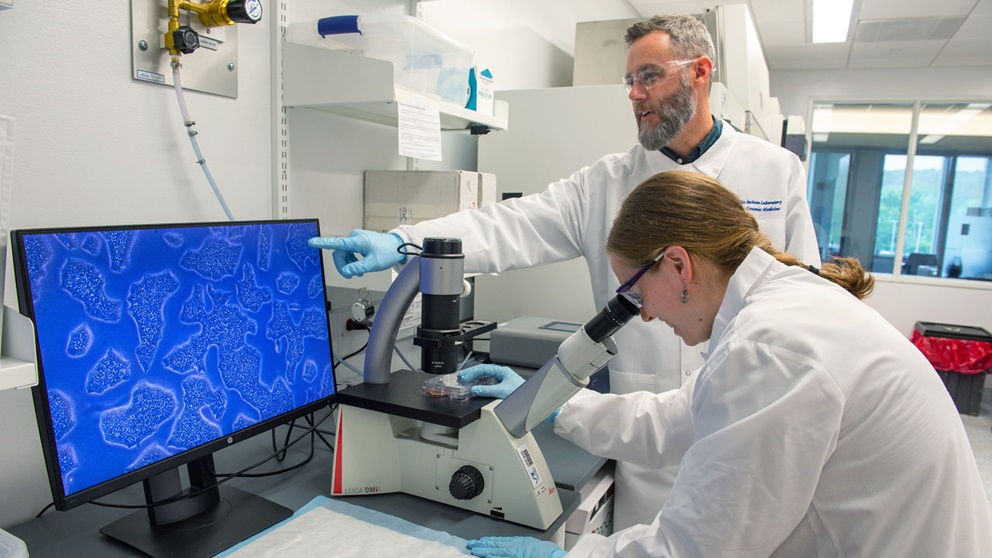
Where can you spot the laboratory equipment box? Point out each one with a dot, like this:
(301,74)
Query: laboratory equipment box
(529,340)
(962,355)
(595,512)
(394,198)
(487,189)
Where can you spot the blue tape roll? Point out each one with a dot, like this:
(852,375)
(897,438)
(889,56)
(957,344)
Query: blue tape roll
(338,25)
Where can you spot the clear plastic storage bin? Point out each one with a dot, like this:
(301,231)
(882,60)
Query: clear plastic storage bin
(424,60)
(11,546)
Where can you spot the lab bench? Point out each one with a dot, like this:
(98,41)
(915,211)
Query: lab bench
(76,532)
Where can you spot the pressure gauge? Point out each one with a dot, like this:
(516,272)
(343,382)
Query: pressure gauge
(244,11)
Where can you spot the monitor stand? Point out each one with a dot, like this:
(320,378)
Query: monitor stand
(202,525)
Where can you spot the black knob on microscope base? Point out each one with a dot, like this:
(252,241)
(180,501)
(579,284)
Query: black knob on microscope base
(466,483)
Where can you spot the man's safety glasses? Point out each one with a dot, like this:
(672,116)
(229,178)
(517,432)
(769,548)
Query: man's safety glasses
(652,74)
(631,293)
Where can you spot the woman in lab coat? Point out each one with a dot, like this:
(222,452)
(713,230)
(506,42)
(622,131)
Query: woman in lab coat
(815,428)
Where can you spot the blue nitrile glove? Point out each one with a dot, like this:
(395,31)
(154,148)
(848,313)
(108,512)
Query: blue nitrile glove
(378,251)
(514,547)
(507,378)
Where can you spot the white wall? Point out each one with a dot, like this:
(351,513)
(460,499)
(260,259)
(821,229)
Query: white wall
(902,301)
(94,147)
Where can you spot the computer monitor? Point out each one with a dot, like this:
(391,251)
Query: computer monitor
(158,345)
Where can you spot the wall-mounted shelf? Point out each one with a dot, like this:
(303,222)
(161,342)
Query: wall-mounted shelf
(16,374)
(17,363)
(360,87)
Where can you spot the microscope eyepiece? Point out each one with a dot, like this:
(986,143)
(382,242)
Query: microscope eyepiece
(617,312)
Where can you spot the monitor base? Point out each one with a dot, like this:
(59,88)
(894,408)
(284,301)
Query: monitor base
(236,516)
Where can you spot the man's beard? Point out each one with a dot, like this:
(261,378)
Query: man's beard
(674,112)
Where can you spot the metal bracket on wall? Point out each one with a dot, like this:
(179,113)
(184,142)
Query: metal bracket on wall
(280,119)
(212,68)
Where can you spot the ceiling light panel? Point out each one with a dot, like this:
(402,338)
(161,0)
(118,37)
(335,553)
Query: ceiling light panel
(831,20)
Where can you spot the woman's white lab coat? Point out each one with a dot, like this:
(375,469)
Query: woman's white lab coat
(573,217)
(813,429)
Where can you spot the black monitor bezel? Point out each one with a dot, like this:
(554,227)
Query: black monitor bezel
(63,501)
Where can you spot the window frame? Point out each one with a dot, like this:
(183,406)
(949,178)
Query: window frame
(912,151)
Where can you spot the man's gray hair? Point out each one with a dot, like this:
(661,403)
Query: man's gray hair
(689,37)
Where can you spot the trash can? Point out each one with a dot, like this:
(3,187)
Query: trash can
(962,355)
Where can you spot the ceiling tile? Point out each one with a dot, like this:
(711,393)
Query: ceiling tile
(649,8)
(865,62)
(984,7)
(898,9)
(898,54)
(921,29)
(975,27)
(808,57)
(966,52)
(897,48)
(775,12)
(782,35)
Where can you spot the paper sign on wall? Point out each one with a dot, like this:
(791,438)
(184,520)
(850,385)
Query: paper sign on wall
(419,126)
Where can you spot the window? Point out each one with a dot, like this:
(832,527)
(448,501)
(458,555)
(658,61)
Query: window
(907,189)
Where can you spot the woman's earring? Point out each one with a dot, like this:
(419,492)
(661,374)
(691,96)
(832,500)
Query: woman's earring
(685,294)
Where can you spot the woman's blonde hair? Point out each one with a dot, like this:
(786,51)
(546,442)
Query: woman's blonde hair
(691,210)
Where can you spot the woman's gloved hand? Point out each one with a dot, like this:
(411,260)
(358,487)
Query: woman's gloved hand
(378,251)
(514,547)
(507,378)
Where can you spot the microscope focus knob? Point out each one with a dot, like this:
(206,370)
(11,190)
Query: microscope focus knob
(466,483)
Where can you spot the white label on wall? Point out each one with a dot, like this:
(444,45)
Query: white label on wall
(419,126)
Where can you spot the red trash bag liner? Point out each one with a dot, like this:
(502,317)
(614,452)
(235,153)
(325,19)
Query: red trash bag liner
(954,355)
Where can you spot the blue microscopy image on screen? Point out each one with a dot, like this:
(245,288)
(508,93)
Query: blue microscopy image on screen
(157,340)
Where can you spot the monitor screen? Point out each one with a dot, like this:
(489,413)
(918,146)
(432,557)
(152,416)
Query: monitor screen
(160,344)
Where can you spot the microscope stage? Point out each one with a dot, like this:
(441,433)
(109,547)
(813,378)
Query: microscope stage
(403,396)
